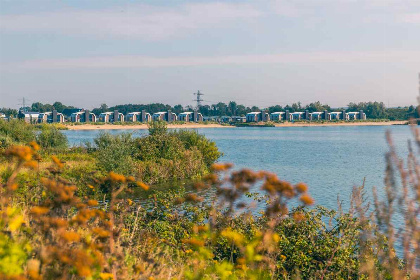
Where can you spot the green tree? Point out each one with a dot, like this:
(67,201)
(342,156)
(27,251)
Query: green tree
(59,106)
(232,108)
(317,107)
(178,109)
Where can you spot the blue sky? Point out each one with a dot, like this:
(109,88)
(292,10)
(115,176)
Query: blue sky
(261,53)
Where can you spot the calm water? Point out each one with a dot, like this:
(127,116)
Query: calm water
(331,160)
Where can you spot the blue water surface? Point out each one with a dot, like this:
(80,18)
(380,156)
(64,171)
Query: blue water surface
(331,160)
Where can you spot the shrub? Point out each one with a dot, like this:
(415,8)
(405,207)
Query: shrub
(157,127)
(207,148)
(114,153)
(15,131)
(51,137)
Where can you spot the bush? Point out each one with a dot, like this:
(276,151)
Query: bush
(207,148)
(114,153)
(15,131)
(51,137)
(178,155)
(157,127)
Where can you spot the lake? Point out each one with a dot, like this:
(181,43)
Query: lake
(331,160)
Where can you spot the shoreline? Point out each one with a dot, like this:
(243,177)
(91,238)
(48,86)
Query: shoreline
(198,125)
(140,126)
(367,123)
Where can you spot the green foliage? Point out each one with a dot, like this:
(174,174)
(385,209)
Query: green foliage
(377,110)
(157,127)
(114,152)
(14,250)
(15,131)
(207,148)
(312,247)
(175,155)
(51,137)
(13,256)
(9,112)
(40,107)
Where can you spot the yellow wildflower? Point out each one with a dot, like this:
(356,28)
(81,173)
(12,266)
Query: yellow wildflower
(301,187)
(305,198)
(221,166)
(106,276)
(143,186)
(34,145)
(70,236)
(92,202)
(39,210)
(116,177)
(57,161)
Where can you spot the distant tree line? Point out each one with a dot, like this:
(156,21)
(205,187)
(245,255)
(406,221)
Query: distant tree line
(373,110)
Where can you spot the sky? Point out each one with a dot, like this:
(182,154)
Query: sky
(268,52)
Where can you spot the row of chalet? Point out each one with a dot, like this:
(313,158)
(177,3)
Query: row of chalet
(306,115)
(143,116)
(82,116)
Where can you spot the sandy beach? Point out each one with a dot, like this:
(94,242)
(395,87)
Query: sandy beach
(302,124)
(139,126)
(198,125)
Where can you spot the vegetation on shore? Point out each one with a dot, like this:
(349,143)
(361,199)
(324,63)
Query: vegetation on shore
(373,110)
(70,213)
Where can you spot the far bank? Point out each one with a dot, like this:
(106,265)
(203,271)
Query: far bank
(199,125)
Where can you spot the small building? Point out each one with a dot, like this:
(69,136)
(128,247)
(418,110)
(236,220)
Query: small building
(315,116)
(3,116)
(190,117)
(164,116)
(253,117)
(226,119)
(277,116)
(139,117)
(110,117)
(356,115)
(83,116)
(67,112)
(257,117)
(211,119)
(29,117)
(296,116)
(238,119)
(335,116)
(51,117)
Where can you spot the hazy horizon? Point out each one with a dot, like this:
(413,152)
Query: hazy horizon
(263,53)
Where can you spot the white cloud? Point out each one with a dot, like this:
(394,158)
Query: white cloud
(286,58)
(151,22)
(141,21)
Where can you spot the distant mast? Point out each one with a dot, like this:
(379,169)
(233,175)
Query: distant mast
(198,98)
(23,104)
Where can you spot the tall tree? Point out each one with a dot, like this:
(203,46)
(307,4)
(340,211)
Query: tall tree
(232,108)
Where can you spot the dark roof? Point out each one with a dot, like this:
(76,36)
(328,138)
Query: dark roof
(68,112)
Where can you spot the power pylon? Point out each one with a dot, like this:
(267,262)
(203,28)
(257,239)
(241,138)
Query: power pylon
(198,98)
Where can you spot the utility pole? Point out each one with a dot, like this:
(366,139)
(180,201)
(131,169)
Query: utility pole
(198,98)
(23,104)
